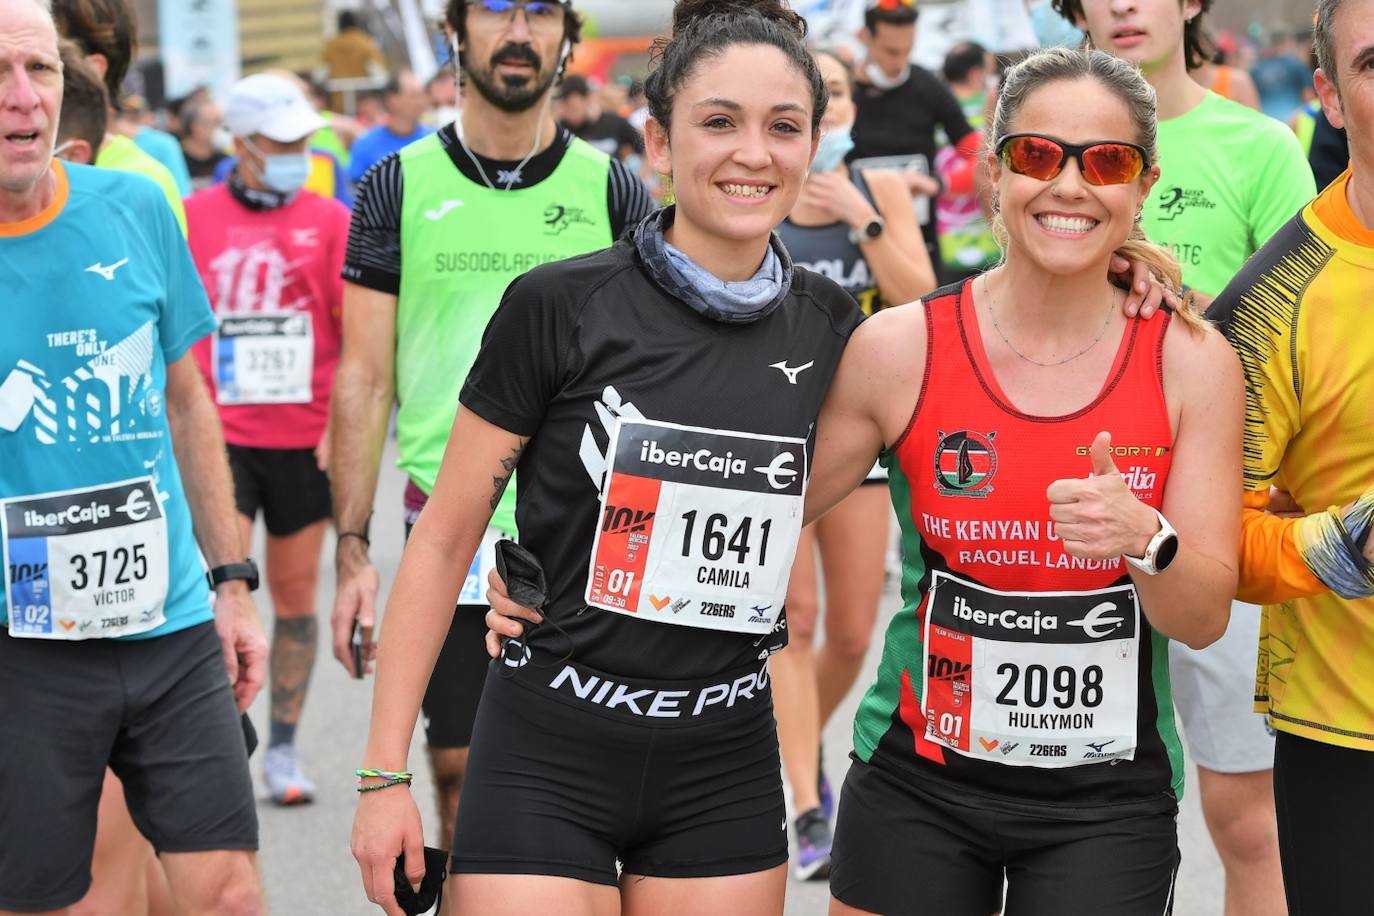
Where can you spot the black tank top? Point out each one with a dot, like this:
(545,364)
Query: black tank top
(827,250)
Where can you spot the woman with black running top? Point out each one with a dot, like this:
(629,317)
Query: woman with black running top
(1067,481)
(658,400)
(857,227)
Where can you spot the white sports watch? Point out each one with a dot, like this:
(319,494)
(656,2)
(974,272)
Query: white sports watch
(1161,550)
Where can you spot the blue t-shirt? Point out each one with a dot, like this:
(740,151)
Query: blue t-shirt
(1281,81)
(100,295)
(165,149)
(375,145)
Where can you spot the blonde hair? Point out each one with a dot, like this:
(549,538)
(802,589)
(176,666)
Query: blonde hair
(1125,82)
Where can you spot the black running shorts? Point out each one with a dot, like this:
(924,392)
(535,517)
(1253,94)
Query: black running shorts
(902,851)
(285,483)
(1324,795)
(158,711)
(572,770)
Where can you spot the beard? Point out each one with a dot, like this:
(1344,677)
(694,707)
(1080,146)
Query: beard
(511,93)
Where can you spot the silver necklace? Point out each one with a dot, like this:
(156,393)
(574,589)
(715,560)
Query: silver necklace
(992,313)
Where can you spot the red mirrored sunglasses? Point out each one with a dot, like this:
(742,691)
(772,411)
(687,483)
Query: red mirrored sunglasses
(1101,162)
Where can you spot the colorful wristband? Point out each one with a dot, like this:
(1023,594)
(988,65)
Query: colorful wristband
(402,776)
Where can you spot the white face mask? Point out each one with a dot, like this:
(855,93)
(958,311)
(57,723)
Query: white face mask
(881,80)
(284,173)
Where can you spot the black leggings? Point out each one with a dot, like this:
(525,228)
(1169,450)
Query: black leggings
(1324,795)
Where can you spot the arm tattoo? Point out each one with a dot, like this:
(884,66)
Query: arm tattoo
(508,465)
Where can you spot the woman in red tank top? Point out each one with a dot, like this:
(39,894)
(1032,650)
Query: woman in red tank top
(1066,481)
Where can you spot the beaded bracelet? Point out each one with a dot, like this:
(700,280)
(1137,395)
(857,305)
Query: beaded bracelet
(402,776)
(384,785)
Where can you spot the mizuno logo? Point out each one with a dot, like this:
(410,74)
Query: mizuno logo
(441,211)
(1099,748)
(1096,624)
(106,272)
(790,371)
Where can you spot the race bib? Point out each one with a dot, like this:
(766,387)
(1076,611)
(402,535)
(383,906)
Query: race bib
(86,564)
(1046,679)
(264,358)
(698,527)
(474,589)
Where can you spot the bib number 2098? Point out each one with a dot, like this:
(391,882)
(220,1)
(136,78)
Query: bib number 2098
(1039,686)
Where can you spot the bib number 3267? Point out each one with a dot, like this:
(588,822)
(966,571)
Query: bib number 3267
(698,527)
(264,358)
(86,564)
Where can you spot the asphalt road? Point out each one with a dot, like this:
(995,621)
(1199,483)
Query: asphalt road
(305,862)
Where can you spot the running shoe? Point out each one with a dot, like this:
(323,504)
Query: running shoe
(813,845)
(286,784)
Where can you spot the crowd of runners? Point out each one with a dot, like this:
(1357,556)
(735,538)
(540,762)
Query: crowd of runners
(1091,332)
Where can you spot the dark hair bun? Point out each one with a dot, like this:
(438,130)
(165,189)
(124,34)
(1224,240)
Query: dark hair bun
(685,12)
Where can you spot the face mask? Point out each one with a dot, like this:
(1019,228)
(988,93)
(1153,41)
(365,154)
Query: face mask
(284,173)
(834,146)
(222,139)
(881,80)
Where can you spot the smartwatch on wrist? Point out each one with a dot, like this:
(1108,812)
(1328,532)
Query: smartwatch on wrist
(247,571)
(1161,550)
(869,231)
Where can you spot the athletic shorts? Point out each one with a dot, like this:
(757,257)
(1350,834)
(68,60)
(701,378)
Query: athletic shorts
(1324,796)
(572,771)
(902,851)
(285,483)
(1214,693)
(158,711)
(449,706)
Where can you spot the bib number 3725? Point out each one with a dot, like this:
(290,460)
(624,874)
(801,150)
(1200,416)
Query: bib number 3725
(86,564)
(698,527)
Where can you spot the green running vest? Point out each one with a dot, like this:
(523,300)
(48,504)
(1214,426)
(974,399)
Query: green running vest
(462,244)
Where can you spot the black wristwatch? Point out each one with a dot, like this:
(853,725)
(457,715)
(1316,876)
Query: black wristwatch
(229,572)
(870,231)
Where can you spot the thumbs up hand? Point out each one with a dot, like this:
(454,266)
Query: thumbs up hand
(1098,517)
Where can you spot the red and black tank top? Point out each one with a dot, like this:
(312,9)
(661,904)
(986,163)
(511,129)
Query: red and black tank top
(1016,673)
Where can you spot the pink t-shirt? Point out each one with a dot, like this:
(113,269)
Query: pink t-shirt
(274,281)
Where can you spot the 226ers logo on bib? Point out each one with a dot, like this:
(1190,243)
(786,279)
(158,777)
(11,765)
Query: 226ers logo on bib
(85,563)
(1046,679)
(698,527)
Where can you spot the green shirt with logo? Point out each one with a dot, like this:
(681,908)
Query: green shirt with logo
(462,243)
(1229,178)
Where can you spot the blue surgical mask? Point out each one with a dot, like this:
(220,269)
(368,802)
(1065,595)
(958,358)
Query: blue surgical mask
(284,173)
(834,146)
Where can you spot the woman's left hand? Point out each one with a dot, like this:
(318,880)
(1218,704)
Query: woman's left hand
(1098,517)
(1146,291)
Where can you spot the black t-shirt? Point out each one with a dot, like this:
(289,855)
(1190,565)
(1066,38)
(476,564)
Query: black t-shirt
(609,133)
(902,121)
(373,258)
(577,342)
